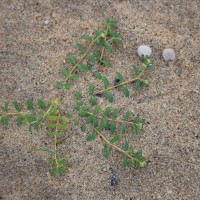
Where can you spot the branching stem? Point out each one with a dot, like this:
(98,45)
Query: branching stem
(115,120)
(82,58)
(123,83)
(55,143)
(115,147)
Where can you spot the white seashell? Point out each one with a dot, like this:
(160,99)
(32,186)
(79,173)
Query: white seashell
(144,50)
(169,54)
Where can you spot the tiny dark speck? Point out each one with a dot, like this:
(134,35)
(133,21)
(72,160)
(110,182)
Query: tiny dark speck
(98,95)
(116,81)
(114,180)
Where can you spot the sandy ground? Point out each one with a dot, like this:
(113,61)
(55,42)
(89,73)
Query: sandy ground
(36,36)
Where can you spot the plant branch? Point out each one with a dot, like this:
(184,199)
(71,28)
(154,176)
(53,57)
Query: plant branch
(115,120)
(55,143)
(123,83)
(82,58)
(115,147)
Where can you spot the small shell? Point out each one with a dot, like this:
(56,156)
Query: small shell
(144,50)
(169,54)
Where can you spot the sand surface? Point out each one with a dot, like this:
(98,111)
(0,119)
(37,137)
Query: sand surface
(36,36)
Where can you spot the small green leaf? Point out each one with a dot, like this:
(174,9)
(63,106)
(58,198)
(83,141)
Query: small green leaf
(78,95)
(106,112)
(91,89)
(110,96)
(83,127)
(55,133)
(112,127)
(90,119)
(53,171)
(67,85)
(81,47)
(83,113)
(126,91)
(83,67)
(30,104)
(93,100)
(78,105)
(59,85)
(138,85)
(124,161)
(85,107)
(136,118)
(87,37)
(71,59)
(69,113)
(98,75)
(6,107)
(102,125)
(91,136)
(53,118)
(115,113)
(73,76)
(95,122)
(16,104)
(106,63)
(135,70)
(96,110)
(126,146)
(5,121)
(109,47)
(137,128)
(97,55)
(60,126)
(123,128)
(41,104)
(106,152)
(115,139)
(76,121)
(19,120)
(105,82)
(91,57)
(126,116)
(119,75)
(64,70)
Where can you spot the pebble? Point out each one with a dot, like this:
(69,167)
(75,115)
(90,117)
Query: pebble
(144,50)
(169,54)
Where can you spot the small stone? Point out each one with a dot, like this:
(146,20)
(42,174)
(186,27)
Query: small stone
(169,54)
(144,50)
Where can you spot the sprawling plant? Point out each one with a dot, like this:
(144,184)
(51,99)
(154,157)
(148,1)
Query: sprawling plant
(106,123)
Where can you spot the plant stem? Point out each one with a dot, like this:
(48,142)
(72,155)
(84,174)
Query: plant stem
(106,33)
(123,83)
(86,52)
(117,148)
(115,120)
(88,49)
(14,113)
(55,143)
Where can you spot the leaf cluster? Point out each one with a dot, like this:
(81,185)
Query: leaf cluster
(108,121)
(91,52)
(140,82)
(35,114)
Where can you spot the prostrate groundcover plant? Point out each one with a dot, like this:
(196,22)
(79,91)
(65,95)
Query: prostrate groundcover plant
(104,123)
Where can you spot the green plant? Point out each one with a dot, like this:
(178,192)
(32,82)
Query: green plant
(104,122)
(140,82)
(54,120)
(101,40)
